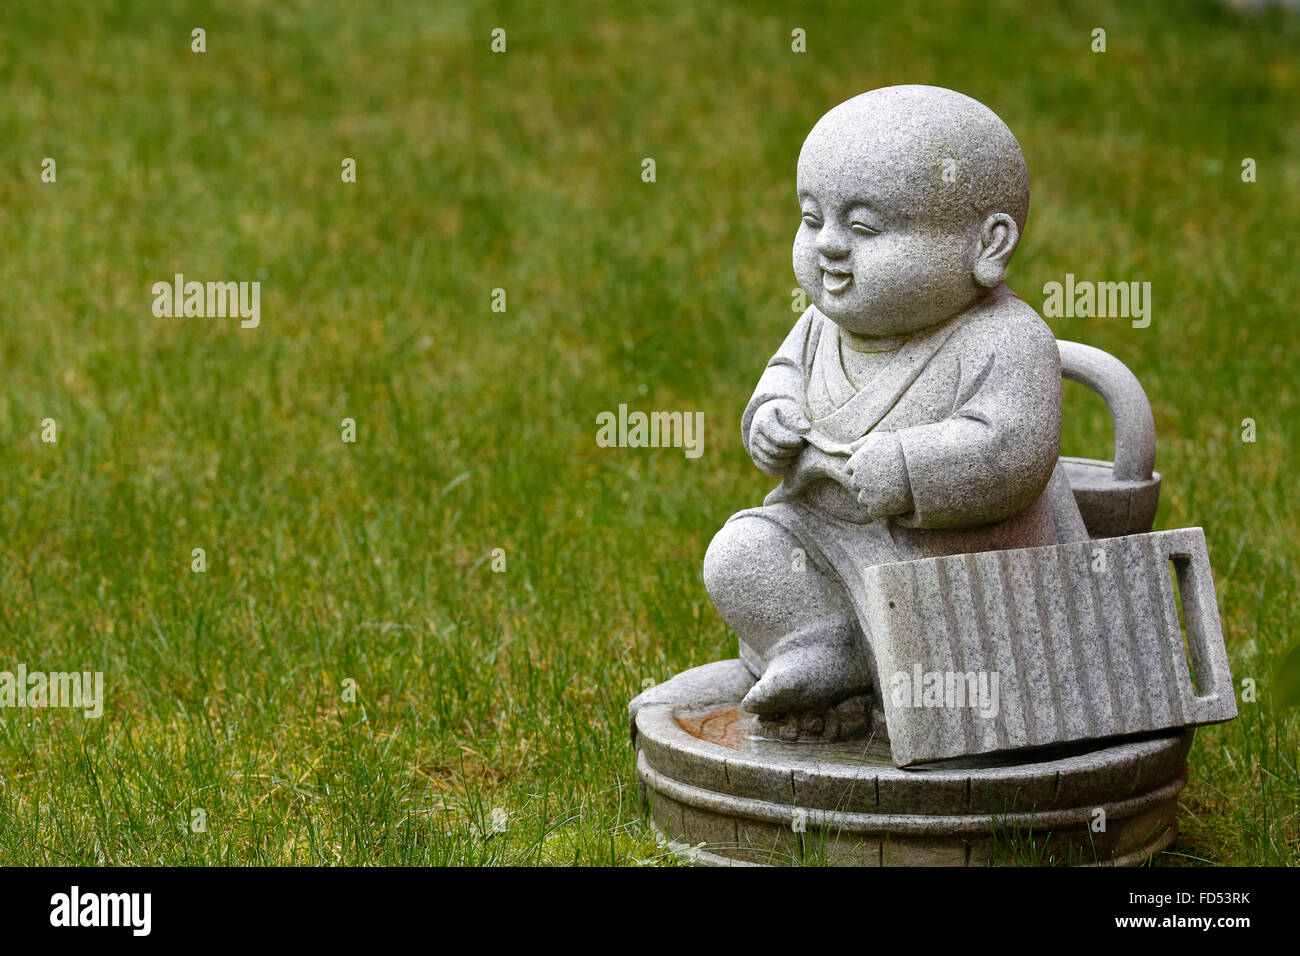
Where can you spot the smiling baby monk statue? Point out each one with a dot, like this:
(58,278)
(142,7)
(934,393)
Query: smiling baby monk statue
(914,410)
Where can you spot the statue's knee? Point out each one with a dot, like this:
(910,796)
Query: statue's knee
(742,558)
(720,563)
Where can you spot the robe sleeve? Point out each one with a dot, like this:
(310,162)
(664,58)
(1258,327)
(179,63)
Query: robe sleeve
(784,376)
(994,455)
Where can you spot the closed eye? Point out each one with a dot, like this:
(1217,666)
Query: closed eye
(810,220)
(862,229)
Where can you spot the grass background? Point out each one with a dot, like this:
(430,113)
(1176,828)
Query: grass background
(482,691)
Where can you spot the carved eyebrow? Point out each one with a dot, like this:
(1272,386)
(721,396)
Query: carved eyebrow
(867,204)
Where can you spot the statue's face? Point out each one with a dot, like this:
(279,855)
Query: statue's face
(876,251)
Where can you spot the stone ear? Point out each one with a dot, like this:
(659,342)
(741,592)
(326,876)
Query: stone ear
(999,236)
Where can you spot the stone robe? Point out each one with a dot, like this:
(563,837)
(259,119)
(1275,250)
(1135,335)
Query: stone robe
(962,430)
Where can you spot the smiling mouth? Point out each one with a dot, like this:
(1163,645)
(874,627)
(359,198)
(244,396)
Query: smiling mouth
(836,282)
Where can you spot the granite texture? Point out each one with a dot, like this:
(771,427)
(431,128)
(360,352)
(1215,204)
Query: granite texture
(1116,498)
(695,688)
(923,525)
(914,408)
(765,802)
(1076,642)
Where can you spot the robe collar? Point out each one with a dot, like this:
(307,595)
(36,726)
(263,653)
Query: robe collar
(859,411)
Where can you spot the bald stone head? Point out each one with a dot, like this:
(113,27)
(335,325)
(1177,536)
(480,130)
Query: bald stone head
(913,201)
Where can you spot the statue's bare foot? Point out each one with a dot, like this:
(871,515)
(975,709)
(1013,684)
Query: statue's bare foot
(851,718)
(807,678)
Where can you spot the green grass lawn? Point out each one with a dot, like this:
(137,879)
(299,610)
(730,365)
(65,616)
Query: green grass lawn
(488,724)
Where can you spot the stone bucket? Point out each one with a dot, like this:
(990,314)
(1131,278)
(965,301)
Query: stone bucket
(1120,497)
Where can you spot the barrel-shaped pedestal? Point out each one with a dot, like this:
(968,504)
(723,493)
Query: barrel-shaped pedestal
(724,798)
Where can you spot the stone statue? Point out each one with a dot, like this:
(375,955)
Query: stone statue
(915,408)
(930,584)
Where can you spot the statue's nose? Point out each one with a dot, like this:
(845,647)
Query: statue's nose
(832,242)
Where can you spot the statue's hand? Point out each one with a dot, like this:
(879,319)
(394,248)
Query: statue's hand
(856,472)
(776,437)
(877,475)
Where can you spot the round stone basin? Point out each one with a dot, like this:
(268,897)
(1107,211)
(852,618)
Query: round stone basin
(727,798)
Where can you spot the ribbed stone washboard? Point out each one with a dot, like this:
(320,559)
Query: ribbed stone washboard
(1080,653)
